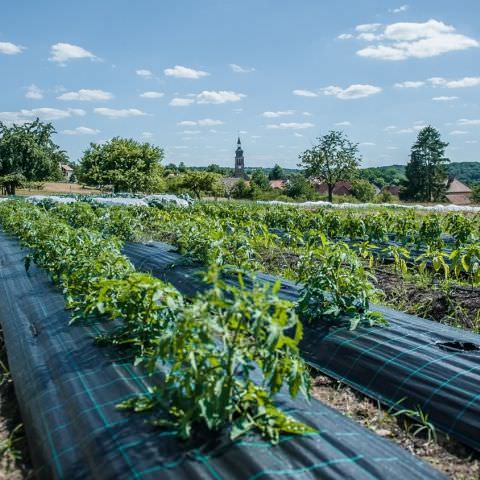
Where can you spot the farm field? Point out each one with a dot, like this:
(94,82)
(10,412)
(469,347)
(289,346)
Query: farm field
(425,264)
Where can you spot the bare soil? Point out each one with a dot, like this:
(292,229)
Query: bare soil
(457,305)
(51,188)
(447,455)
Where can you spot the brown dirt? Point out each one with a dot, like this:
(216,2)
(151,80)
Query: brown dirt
(14,456)
(51,188)
(447,455)
(457,306)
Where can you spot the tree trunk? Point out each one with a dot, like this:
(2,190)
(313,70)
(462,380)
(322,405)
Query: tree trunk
(330,191)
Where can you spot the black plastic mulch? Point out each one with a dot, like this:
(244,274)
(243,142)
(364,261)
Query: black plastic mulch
(411,363)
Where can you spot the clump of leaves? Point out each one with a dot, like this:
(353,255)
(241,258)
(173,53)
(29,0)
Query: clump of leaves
(227,354)
(336,286)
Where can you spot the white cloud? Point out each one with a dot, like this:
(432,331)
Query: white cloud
(143,72)
(392,148)
(45,113)
(181,102)
(465,82)
(190,132)
(345,36)
(416,40)
(206,122)
(409,84)
(466,121)
(217,97)
(9,48)
(277,114)
(444,99)
(296,134)
(401,9)
(34,92)
(368,27)
(352,92)
(209,122)
(86,95)
(346,123)
(305,93)
(369,37)
(405,130)
(238,69)
(293,126)
(81,131)
(179,71)
(390,128)
(458,132)
(147,135)
(152,95)
(471,141)
(368,144)
(62,52)
(119,113)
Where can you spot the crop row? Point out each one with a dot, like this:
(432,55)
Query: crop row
(228,234)
(225,352)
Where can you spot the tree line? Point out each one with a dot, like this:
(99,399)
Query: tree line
(28,154)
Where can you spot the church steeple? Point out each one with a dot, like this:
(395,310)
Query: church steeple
(239,160)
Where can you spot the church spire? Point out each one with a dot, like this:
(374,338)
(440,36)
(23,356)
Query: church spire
(239,160)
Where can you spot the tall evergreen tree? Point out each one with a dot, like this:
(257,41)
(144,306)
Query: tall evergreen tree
(427,170)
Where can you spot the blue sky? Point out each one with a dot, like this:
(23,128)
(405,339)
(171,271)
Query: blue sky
(188,75)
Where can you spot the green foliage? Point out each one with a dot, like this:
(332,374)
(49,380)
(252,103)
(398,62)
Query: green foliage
(214,348)
(260,180)
(200,182)
(476,193)
(28,150)
(332,159)
(299,187)
(9,183)
(337,286)
(276,173)
(363,190)
(123,164)
(242,189)
(224,354)
(427,172)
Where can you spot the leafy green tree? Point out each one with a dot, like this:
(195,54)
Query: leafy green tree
(9,183)
(28,152)
(427,170)
(214,168)
(125,164)
(242,190)
(276,173)
(363,190)
(476,193)
(259,179)
(200,182)
(332,159)
(298,186)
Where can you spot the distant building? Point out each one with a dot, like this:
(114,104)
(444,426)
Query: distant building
(239,161)
(67,171)
(340,188)
(278,184)
(458,193)
(393,190)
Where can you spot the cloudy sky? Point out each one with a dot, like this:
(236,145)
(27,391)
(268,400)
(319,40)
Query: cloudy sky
(189,75)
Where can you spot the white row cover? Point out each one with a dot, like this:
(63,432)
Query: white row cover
(145,201)
(432,208)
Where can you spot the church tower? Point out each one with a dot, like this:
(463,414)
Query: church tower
(239,161)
